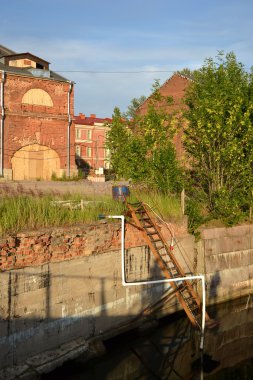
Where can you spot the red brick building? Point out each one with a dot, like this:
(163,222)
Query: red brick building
(90,137)
(37,107)
(175,87)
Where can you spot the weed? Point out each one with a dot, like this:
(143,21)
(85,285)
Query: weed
(22,209)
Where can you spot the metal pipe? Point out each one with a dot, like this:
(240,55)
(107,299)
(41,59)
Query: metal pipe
(2,123)
(68,131)
(124,283)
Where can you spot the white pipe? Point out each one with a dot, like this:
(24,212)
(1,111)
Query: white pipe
(2,122)
(68,132)
(124,283)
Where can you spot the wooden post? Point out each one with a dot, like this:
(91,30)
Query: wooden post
(183,201)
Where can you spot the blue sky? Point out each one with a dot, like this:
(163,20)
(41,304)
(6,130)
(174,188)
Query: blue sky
(125,36)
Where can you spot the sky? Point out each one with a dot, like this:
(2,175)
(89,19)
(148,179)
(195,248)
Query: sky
(114,50)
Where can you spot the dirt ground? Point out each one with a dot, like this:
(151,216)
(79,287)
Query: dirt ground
(78,187)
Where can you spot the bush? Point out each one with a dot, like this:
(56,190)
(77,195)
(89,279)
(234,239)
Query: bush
(227,207)
(195,216)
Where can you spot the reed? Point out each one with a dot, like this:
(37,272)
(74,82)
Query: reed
(166,205)
(21,210)
(32,212)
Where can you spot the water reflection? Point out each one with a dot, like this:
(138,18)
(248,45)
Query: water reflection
(171,351)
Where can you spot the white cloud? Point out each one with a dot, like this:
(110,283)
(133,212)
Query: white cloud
(99,93)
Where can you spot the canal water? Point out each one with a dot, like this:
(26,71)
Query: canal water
(171,351)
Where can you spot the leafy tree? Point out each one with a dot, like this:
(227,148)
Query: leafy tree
(143,150)
(133,106)
(187,72)
(118,142)
(219,135)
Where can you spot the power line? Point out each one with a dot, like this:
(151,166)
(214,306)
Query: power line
(124,72)
(115,72)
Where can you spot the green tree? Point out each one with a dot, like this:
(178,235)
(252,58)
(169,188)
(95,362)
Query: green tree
(143,150)
(118,143)
(219,134)
(133,106)
(187,72)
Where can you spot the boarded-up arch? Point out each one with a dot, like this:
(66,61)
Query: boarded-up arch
(35,162)
(37,96)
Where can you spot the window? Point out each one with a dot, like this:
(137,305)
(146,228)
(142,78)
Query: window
(39,66)
(88,152)
(78,134)
(107,153)
(107,165)
(37,96)
(89,135)
(78,150)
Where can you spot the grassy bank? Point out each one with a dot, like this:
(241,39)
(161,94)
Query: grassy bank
(21,211)
(163,204)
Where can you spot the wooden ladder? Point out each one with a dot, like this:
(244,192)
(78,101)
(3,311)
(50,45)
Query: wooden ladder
(144,220)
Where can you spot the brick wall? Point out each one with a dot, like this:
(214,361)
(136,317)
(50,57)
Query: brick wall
(174,87)
(27,124)
(59,244)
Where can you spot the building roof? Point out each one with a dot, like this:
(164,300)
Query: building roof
(5,51)
(27,54)
(31,72)
(90,120)
(26,71)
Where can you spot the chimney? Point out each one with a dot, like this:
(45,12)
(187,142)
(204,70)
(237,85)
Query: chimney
(93,115)
(82,116)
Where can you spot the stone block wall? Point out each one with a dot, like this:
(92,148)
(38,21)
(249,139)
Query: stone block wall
(59,285)
(65,284)
(225,255)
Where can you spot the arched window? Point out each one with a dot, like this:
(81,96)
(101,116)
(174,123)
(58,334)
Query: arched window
(38,97)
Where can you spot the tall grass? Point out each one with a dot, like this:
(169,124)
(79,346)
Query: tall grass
(166,205)
(25,212)
(22,210)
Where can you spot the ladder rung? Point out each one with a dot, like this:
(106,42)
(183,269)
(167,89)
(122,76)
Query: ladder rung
(174,271)
(173,268)
(193,304)
(189,299)
(193,308)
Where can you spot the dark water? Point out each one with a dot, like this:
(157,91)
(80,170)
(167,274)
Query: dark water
(171,351)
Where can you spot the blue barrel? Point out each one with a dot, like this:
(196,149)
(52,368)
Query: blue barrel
(119,193)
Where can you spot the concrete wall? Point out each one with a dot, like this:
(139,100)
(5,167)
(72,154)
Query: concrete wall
(225,255)
(62,287)
(58,286)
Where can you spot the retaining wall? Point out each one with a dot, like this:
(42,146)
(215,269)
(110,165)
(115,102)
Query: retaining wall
(225,255)
(62,287)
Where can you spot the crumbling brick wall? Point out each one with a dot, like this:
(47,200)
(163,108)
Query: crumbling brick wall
(28,124)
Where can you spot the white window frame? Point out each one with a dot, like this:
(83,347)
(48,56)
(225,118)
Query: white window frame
(89,135)
(78,133)
(88,151)
(78,150)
